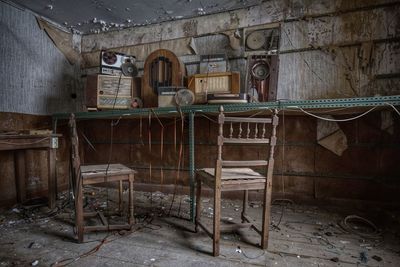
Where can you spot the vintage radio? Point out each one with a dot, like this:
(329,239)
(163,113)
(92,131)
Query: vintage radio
(213,63)
(101,92)
(226,98)
(111,62)
(218,82)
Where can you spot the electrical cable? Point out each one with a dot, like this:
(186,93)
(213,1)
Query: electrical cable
(353,219)
(395,109)
(336,120)
(111,143)
(179,160)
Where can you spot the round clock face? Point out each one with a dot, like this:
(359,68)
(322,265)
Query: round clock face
(255,40)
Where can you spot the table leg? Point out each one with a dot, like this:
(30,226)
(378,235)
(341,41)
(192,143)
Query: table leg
(52,178)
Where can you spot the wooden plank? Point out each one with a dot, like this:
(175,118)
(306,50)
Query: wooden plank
(235,187)
(205,228)
(102,218)
(253,223)
(105,179)
(234,227)
(247,120)
(245,141)
(88,170)
(24,143)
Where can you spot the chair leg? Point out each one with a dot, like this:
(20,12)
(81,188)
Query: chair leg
(79,212)
(217,220)
(198,204)
(120,197)
(245,204)
(266,214)
(131,204)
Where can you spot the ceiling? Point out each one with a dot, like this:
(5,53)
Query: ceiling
(94,16)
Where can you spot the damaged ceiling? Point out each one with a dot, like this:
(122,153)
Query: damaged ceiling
(95,16)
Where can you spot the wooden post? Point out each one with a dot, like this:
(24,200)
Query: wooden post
(245,203)
(20,176)
(131,204)
(198,203)
(268,186)
(121,189)
(217,208)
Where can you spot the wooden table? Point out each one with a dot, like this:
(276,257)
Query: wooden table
(19,144)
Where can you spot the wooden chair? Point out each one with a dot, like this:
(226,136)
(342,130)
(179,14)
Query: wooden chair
(97,174)
(240,177)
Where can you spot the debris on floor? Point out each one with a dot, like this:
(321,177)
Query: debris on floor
(164,236)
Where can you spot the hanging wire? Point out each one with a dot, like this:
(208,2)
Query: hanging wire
(395,109)
(336,120)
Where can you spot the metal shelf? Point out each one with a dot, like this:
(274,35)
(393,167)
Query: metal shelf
(283,104)
(381,101)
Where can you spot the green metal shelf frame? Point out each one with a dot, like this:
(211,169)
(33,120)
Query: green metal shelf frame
(282,104)
(192,110)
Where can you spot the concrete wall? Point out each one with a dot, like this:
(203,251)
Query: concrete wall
(35,76)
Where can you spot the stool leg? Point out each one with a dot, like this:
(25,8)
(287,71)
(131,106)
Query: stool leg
(198,203)
(266,213)
(245,204)
(131,204)
(217,220)
(120,197)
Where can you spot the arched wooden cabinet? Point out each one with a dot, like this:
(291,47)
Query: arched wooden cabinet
(161,68)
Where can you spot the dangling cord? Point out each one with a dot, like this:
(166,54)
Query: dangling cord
(179,160)
(175,134)
(161,152)
(141,130)
(150,171)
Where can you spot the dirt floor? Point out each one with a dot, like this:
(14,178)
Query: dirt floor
(32,235)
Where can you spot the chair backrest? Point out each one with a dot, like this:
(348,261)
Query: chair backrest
(75,158)
(249,131)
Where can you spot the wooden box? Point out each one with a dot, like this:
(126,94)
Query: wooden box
(210,83)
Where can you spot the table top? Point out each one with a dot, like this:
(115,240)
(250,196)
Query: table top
(27,136)
(30,141)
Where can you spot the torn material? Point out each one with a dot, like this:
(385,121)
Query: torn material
(331,137)
(62,40)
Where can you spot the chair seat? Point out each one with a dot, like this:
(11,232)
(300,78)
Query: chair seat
(233,179)
(233,173)
(100,173)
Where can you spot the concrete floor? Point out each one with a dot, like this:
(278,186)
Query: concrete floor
(305,236)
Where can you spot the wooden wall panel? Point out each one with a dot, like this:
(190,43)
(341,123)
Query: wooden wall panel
(299,171)
(36,160)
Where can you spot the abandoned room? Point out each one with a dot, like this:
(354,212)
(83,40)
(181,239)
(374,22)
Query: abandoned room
(200,133)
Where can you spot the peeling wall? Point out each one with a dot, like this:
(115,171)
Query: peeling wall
(35,76)
(322,49)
